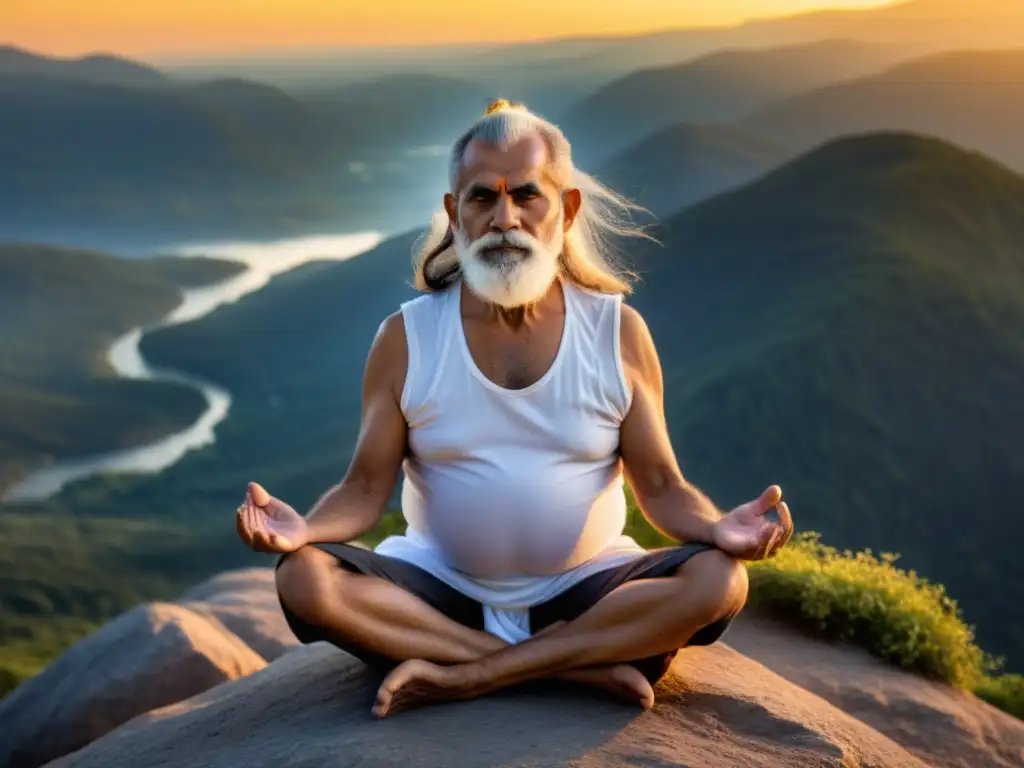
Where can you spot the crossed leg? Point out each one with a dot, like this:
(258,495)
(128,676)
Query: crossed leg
(444,659)
(374,618)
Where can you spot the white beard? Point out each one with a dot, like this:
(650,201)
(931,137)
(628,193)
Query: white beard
(510,279)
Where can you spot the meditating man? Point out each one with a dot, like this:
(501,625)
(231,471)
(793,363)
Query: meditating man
(516,393)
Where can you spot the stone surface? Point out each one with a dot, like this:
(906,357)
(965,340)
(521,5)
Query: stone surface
(246,602)
(149,657)
(312,708)
(943,726)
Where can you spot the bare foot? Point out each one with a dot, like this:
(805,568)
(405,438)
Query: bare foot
(417,682)
(623,680)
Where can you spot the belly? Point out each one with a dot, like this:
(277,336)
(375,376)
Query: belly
(525,526)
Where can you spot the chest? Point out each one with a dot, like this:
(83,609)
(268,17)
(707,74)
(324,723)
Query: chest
(514,358)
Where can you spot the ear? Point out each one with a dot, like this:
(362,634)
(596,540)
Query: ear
(451,206)
(572,199)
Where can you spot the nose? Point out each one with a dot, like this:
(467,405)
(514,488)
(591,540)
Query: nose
(506,215)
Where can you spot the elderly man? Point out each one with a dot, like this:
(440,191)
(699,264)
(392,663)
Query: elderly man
(517,393)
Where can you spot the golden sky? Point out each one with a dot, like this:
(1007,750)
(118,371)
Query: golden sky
(161,27)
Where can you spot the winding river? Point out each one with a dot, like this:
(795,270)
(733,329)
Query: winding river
(263,261)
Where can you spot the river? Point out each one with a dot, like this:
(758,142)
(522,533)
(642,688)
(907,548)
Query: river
(263,261)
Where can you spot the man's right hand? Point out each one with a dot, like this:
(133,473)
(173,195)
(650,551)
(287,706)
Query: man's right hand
(269,525)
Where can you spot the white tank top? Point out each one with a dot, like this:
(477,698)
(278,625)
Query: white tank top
(512,496)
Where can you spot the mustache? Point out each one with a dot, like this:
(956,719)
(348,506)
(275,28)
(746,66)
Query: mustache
(510,239)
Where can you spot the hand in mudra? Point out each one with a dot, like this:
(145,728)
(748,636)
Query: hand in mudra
(747,533)
(269,525)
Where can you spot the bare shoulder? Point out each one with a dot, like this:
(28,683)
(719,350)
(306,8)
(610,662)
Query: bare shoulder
(639,355)
(388,359)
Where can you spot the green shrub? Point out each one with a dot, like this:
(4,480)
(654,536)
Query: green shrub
(1005,692)
(867,600)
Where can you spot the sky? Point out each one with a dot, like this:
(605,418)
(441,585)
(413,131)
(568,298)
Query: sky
(186,27)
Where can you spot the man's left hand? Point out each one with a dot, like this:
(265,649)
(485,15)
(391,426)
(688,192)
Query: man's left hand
(747,534)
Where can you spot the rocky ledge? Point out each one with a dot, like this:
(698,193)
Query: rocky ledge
(217,679)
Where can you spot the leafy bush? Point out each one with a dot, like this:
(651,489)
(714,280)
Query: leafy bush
(867,600)
(1005,692)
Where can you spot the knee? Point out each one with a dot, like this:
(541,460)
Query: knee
(303,578)
(718,582)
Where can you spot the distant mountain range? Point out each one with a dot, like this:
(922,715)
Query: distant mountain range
(973,98)
(112,70)
(107,152)
(721,86)
(551,73)
(89,157)
(686,163)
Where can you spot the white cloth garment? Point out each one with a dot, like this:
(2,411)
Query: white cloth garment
(513,496)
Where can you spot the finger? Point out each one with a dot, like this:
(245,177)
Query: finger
(382,701)
(260,497)
(262,531)
(786,521)
(767,500)
(240,528)
(247,521)
(255,517)
(251,516)
(768,538)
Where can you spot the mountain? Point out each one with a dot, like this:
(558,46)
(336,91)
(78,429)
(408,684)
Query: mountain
(266,115)
(59,311)
(918,27)
(683,164)
(849,326)
(400,112)
(551,73)
(84,158)
(972,98)
(97,68)
(85,161)
(718,87)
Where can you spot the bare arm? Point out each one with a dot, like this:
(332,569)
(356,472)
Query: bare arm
(355,505)
(668,501)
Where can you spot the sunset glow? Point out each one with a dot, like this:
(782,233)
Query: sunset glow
(182,27)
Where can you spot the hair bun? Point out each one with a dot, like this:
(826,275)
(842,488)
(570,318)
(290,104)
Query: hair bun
(499,104)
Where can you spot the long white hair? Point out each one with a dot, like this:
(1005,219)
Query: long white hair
(588,257)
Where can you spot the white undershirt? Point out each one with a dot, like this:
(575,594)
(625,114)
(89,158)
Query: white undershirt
(513,496)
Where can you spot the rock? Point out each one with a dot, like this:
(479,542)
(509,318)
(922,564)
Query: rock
(246,602)
(149,657)
(939,724)
(311,707)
